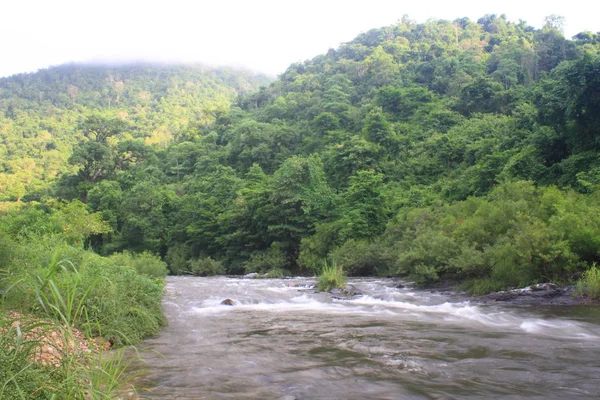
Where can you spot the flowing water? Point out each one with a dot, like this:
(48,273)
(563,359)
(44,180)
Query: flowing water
(281,341)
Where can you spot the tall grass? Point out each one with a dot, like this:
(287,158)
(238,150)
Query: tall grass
(331,277)
(70,290)
(28,372)
(589,284)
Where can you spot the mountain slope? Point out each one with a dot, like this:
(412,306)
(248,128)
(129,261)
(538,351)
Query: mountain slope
(40,112)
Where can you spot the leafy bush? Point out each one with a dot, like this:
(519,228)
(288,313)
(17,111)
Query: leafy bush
(331,277)
(263,262)
(589,284)
(361,258)
(177,259)
(206,267)
(144,263)
(516,236)
(277,273)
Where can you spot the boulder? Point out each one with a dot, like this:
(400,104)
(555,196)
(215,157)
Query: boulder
(227,302)
(347,293)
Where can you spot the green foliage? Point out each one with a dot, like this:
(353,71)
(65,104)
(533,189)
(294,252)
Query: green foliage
(361,258)
(78,374)
(273,259)
(401,152)
(19,379)
(589,284)
(516,236)
(100,296)
(206,267)
(277,273)
(144,263)
(331,277)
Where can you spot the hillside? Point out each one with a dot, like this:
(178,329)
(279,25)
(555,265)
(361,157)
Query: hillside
(40,113)
(444,150)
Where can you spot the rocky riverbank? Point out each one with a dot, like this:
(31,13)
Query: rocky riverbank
(540,294)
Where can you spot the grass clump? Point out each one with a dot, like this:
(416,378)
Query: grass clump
(70,295)
(332,277)
(43,359)
(589,284)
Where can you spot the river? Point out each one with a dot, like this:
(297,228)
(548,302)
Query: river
(282,341)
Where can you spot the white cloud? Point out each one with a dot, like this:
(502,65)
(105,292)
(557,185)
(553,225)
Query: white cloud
(264,35)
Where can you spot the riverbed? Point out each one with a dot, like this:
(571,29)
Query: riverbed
(282,340)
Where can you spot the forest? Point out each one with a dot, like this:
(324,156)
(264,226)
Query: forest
(463,151)
(448,149)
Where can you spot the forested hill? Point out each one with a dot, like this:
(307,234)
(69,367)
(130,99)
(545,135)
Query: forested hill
(40,113)
(449,149)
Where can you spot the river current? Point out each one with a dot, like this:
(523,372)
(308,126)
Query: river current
(281,340)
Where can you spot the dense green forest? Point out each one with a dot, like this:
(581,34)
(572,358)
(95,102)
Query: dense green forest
(448,150)
(463,150)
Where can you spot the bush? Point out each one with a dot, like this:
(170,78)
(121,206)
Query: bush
(362,258)
(87,291)
(177,259)
(332,277)
(277,273)
(589,283)
(144,263)
(206,267)
(264,261)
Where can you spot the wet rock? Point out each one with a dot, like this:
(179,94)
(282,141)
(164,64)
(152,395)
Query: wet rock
(541,293)
(251,275)
(227,302)
(304,285)
(400,286)
(349,292)
(501,296)
(544,286)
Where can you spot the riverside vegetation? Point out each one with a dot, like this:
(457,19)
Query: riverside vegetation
(462,150)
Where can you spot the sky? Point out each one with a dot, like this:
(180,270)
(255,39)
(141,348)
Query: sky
(262,35)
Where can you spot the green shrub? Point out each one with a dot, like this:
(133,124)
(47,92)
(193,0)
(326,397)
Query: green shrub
(315,249)
(264,261)
(124,306)
(277,273)
(362,258)
(589,284)
(144,263)
(206,267)
(177,259)
(331,277)
(87,291)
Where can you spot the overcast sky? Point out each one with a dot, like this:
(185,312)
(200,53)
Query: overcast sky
(264,35)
